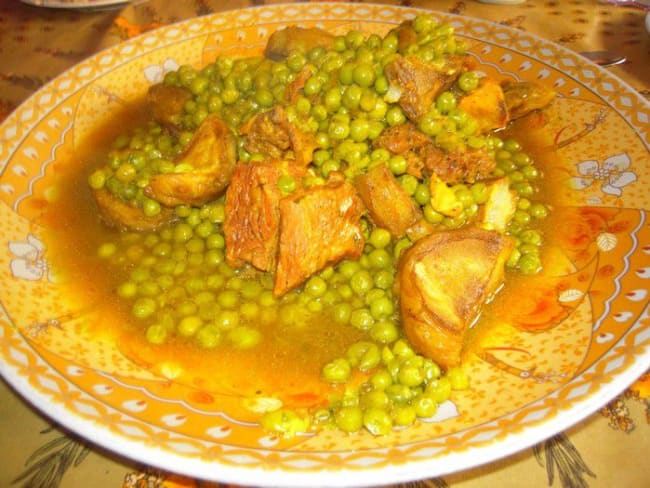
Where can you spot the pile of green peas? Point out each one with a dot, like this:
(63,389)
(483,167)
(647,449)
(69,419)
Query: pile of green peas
(401,388)
(133,159)
(176,279)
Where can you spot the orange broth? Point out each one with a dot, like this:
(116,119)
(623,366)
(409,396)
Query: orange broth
(288,361)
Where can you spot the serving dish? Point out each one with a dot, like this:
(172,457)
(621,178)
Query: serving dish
(527,384)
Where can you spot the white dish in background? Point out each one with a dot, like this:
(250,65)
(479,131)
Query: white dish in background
(76,4)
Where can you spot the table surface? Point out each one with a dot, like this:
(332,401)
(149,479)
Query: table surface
(37,44)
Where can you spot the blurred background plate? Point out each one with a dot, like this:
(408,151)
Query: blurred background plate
(76,4)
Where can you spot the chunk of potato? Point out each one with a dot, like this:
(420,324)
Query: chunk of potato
(444,280)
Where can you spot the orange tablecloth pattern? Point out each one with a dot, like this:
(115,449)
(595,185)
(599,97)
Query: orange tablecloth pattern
(37,44)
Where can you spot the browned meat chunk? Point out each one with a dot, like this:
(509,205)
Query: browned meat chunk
(271,134)
(487,105)
(166,103)
(444,280)
(252,223)
(212,153)
(406,35)
(387,202)
(292,91)
(424,158)
(295,38)
(461,166)
(525,96)
(118,213)
(419,83)
(319,227)
(408,141)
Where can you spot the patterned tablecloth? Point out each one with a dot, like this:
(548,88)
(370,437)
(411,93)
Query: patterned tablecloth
(607,449)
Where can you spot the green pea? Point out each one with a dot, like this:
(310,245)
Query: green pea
(363,75)
(381,308)
(403,415)
(410,375)
(458,378)
(468,81)
(165,281)
(106,250)
(409,183)
(439,390)
(530,264)
(235,283)
(398,165)
(531,236)
(244,337)
(267,299)
(395,116)
(227,319)
(362,319)
(208,336)
(379,238)
(349,418)
(97,179)
(149,289)
(213,257)
(125,173)
(144,307)
(402,349)
(381,85)
(374,399)
(337,371)
(431,126)
(228,299)
(182,232)
(363,355)
(445,102)
(316,286)
(511,145)
(425,406)
(530,172)
(384,332)
(285,423)
(250,289)
(361,281)
(384,279)
(521,217)
(359,130)
(521,159)
(195,245)
(215,241)
(422,194)
(379,258)
(399,394)
(378,421)
(156,334)
(188,326)
(332,99)
(381,379)
(401,245)
(352,97)
(342,312)
(338,130)
(524,189)
(215,281)
(513,259)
